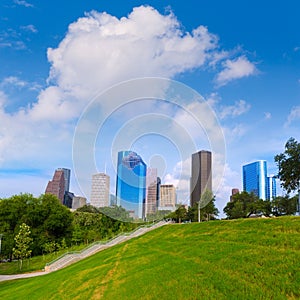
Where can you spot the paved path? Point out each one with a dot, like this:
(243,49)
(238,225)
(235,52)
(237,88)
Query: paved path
(17,276)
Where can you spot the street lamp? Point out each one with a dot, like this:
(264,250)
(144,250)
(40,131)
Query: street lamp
(199,216)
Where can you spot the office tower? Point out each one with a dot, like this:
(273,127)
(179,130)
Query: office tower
(151,191)
(201,179)
(57,185)
(100,190)
(78,202)
(255,178)
(67,175)
(131,183)
(271,191)
(167,196)
(68,199)
(158,191)
(234,192)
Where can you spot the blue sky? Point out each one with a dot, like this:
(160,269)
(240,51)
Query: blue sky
(242,58)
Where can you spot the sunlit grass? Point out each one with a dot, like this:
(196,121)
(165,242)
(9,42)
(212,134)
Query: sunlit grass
(242,259)
(36,263)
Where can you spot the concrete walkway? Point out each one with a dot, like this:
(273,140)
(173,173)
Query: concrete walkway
(25,275)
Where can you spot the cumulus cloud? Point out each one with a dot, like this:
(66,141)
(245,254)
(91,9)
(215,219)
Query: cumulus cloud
(235,69)
(293,115)
(100,50)
(23,3)
(29,28)
(13,80)
(240,107)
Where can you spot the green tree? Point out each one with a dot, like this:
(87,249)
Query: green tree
(245,204)
(206,206)
(209,211)
(179,214)
(284,205)
(22,244)
(49,221)
(288,164)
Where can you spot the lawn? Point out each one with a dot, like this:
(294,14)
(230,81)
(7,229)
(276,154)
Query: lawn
(240,259)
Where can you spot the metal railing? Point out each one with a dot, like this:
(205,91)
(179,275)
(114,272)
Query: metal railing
(73,256)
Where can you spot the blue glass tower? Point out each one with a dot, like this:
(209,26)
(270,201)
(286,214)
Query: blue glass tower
(131,183)
(255,179)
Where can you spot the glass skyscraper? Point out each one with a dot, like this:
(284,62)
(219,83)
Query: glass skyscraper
(255,179)
(131,183)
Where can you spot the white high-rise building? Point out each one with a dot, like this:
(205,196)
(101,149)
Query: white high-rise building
(167,197)
(100,190)
(151,192)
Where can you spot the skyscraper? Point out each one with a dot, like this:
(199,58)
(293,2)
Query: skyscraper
(201,179)
(167,196)
(67,175)
(255,179)
(131,183)
(100,190)
(271,190)
(56,186)
(78,202)
(151,192)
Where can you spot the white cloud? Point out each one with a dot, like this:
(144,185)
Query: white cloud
(293,115)
(12,80)
(23,3)
(240,107)
(30,28)
(235,69)
(268,115)
(98,51)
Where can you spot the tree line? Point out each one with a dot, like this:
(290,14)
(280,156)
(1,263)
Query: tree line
(53,226)
(245,205)
(205,210)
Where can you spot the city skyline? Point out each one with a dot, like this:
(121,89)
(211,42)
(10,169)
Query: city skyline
(157,196)
(244,63)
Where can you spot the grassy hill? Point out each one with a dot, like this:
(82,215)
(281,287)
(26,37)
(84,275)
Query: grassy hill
(241,259)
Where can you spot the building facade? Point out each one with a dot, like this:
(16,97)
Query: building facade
(67,176)
(56,186)
(201,178)
(131,183)
(151,203)
(271,188)
(234,191)
(255,179)
(78,202)
(167,197)
(100,190)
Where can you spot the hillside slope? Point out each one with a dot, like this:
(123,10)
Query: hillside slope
(242,259)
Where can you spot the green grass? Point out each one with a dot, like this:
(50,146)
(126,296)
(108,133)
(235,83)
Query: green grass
(242,259)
